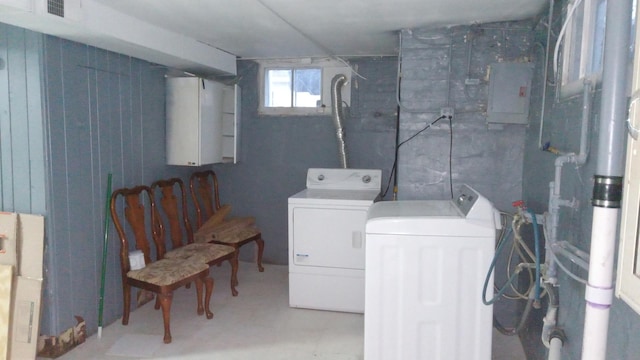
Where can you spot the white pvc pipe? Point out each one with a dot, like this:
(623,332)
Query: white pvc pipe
(610,167)
(555,349)
(555,200)
(548,323)
(575,255)
(599,291)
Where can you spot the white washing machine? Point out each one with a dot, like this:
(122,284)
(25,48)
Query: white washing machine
(327,238)
(426,263)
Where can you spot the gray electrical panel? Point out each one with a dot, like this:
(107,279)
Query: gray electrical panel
(509,93)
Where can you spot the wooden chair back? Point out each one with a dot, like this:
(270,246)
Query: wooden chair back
(139,219)
(203,186)
(173,211)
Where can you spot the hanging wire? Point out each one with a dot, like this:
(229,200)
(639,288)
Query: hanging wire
(395,162)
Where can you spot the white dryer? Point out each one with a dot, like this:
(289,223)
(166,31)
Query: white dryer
(327,238)
(426,266)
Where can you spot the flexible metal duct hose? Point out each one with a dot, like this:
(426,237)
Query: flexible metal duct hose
(337,114)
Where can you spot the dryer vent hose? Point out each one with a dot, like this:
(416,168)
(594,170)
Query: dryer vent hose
(337,114)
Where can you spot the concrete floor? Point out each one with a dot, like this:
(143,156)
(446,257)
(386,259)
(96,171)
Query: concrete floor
(258,324)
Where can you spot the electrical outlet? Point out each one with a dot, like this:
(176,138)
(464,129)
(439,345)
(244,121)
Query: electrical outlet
(447,111)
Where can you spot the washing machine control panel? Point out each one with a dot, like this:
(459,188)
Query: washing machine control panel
(465,198)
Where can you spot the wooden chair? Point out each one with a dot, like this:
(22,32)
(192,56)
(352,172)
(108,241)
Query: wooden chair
(173,212)
(162,276)
(235,232)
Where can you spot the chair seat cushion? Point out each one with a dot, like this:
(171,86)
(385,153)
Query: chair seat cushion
(227,229)
(203,252)
(236,236)
(168,271)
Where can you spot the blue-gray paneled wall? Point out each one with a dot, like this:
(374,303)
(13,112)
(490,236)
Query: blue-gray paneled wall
(435,65)
(105,113)
(69,114)
(22,164)
(278,150)
(562,129)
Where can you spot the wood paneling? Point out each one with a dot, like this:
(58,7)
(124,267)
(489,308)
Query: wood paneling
(105,114)
(22,162)
(69,115)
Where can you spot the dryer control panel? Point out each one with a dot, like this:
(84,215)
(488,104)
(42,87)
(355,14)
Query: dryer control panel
(344,179)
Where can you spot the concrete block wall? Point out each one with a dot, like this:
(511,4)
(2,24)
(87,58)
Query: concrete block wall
(449,68)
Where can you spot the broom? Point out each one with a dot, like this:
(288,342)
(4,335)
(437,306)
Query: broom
(104,255)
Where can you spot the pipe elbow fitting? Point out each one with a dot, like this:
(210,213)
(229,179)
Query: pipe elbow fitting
(557,333)
(568,158)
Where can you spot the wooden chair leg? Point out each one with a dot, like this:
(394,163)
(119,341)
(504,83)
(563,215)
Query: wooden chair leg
(260,244)
(234,273)
(209,284)
(165,303)
(199,296)
(126,293)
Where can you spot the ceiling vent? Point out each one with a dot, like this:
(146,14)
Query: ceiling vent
(55,7)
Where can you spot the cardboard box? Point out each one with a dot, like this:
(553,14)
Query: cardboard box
(8,238)
(6,283)
(25,318)
(22,248)
(30,246)
(22,243)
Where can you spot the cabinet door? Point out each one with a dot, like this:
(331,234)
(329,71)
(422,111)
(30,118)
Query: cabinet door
(194,121)
(211,122)
(182,104)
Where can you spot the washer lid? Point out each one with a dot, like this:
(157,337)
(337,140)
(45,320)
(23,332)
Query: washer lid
(426,218)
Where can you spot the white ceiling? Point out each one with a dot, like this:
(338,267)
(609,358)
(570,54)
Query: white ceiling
(306,28)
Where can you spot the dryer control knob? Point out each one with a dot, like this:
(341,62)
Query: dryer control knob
(320,177)
(366,179)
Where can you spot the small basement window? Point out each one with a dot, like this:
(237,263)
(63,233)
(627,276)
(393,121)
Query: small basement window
(583,45)
(293,87)
(300,86)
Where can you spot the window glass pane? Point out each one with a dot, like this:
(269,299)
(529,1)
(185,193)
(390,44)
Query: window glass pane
(575,44)
(307,87)
(277,90)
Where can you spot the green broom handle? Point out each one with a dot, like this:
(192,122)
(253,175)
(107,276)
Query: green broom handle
(104,254)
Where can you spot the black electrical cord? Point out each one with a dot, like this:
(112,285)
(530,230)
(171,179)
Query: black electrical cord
(395,161)
(450,156)
(395,156)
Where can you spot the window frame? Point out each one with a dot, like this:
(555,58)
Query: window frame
(628,267)
(329,68)
(584,49)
